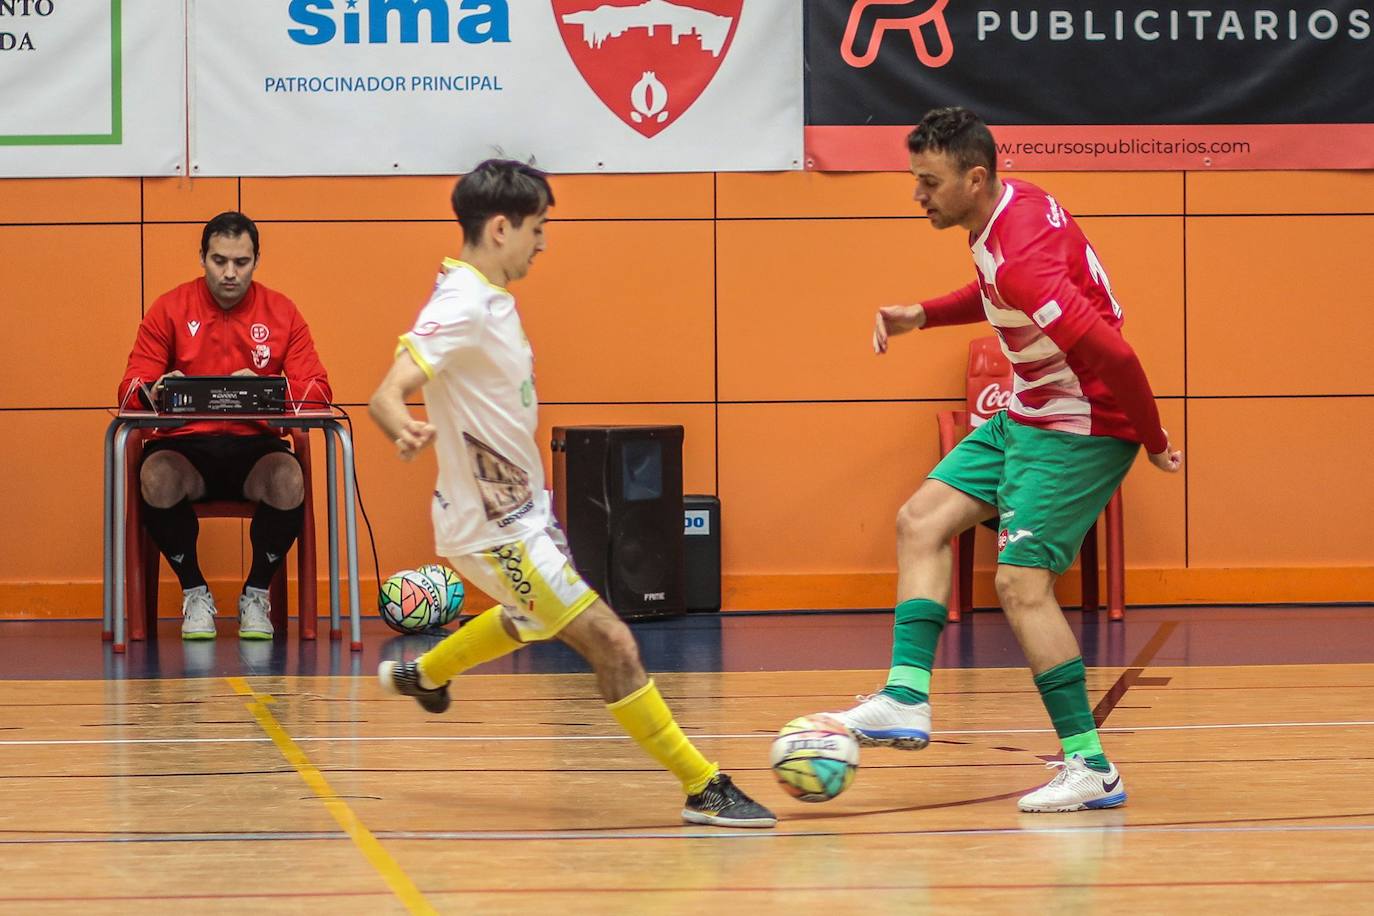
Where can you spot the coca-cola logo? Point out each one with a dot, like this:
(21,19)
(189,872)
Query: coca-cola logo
(992,399)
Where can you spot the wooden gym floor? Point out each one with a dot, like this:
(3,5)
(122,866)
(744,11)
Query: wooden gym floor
(231,778)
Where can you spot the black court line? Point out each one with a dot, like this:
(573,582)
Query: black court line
(676,832)
(572,890)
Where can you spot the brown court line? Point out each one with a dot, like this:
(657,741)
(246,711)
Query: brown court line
(649,769)
(723,696)
(841,888)
(1133,674)
(1174,689)
(729,696)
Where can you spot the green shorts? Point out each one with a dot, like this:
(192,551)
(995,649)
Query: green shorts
(1048,487)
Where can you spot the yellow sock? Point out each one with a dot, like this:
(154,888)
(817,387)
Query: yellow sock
(479,640)
(646,718)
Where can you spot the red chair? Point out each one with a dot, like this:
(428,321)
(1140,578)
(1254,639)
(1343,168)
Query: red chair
(989,391)
(142,556)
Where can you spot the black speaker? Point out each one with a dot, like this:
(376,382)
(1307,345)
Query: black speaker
(618,495)
(701,546)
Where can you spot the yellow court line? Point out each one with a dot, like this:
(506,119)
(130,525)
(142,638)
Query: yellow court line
(367,844)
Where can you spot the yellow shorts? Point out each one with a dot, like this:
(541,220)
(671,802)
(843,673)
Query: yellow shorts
(534,580)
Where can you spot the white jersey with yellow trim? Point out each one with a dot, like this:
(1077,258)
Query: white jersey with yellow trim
(480,399)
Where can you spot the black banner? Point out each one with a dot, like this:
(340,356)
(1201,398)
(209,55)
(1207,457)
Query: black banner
(1119,63)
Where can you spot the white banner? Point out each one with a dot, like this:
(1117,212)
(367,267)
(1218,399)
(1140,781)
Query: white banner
(92,87)
(366,87)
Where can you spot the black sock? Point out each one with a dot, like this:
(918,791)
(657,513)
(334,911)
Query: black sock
(272,533)
(174,531)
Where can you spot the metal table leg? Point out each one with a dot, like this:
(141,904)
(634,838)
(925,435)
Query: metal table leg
(107,535)
(118,519)
(351,540)
(331,490)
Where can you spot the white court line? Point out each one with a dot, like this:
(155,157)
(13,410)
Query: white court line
(358,739)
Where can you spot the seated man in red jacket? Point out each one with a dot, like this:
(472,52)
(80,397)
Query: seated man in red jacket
(223,324)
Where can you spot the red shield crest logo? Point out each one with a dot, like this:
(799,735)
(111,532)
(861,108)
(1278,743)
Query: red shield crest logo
(648,60)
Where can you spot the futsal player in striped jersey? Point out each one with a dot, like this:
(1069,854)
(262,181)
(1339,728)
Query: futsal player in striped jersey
(468,353)
(1081,408)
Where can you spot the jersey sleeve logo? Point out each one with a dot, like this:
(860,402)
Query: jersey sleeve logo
(1047,313)
(1056,214)
(426,329)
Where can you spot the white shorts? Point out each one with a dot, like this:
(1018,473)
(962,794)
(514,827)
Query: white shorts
(534,580)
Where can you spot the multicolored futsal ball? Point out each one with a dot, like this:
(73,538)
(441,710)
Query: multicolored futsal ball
(814,758)
(450,590)
(410,602)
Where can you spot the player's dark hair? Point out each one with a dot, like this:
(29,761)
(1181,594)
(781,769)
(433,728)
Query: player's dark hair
(231,224)
(499,187)
(960,134)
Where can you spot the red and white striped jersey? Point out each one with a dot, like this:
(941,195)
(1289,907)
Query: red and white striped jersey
(1042,286)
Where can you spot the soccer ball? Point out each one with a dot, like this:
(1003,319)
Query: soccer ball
(814,758)
(450,590)
(410,602)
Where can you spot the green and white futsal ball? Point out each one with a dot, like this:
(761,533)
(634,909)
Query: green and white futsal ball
(410,602)
(450,589)
(814,758)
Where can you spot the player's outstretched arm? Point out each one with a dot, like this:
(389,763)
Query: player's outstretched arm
(963,306)
(896,319)
(388,410)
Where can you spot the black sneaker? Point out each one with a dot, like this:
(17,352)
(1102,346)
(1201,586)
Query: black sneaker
(403,679)
(724,805)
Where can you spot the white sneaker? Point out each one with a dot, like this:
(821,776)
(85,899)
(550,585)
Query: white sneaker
(197,613)
(1076,787)
(255,621)
(881,721)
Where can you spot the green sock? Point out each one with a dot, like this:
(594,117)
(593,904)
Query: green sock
(915,634)
(1064,688)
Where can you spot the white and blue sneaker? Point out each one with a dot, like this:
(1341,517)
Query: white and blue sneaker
(881,721)
(1076,787)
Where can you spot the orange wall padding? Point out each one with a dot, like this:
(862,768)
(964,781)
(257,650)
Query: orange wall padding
(740,306)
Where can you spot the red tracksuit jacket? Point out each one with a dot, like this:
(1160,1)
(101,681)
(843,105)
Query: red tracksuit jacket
(186,329)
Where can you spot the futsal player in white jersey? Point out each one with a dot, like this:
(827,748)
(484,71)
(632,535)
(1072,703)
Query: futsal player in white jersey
(468,353)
